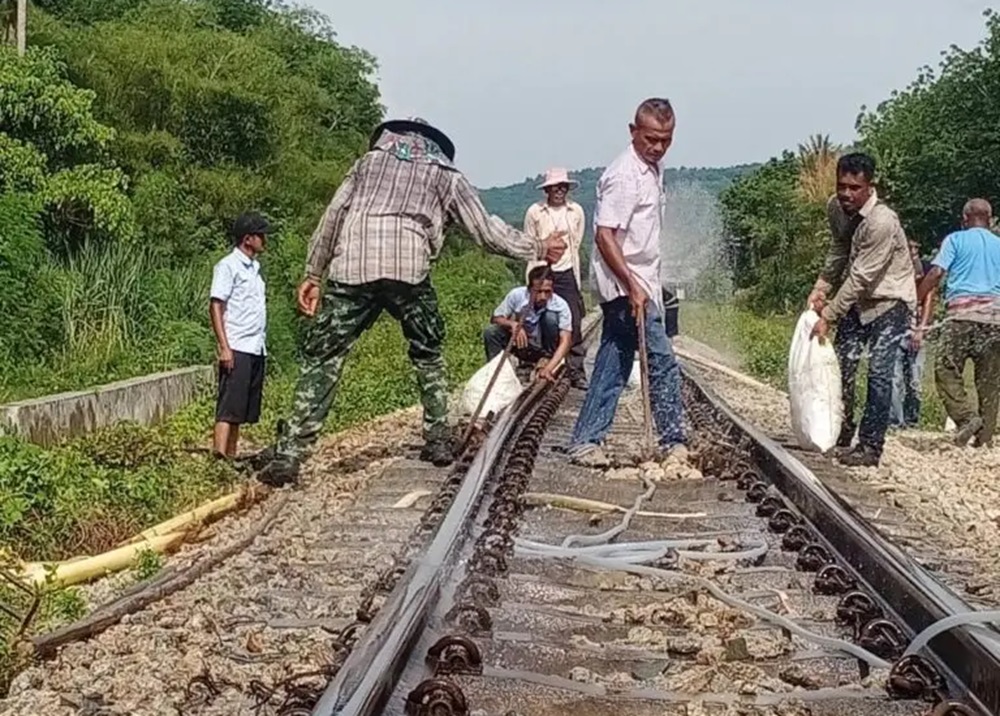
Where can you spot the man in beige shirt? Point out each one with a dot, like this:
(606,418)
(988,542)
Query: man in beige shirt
(558,213)
(870,258)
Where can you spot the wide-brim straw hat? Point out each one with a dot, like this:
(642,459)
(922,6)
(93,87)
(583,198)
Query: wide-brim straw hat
(418,125)
(556,176)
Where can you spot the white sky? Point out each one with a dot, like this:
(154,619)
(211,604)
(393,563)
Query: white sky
(522,85)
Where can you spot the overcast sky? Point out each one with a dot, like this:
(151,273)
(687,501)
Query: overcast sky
(521,85)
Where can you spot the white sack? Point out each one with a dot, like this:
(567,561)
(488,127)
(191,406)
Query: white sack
(635,377)
(814,388)
(505,390)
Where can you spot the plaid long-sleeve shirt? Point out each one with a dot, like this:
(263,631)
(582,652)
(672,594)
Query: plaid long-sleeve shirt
(387,219)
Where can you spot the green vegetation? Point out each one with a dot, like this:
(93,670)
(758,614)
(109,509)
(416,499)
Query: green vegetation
(131,135)
(937,142)
(774,219)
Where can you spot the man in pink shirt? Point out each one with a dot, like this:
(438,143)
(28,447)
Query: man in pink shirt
(626,269)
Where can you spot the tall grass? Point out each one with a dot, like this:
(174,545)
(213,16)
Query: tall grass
(119,312)
(105,300)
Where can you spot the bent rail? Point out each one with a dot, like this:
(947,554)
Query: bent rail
(824,530)
(905,589)
(368,675)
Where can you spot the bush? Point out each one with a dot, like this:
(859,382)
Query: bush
(31,321)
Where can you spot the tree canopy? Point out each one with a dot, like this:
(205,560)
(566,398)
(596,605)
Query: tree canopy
(937,142)
(132,133)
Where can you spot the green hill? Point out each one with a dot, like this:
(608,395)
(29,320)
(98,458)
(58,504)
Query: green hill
(510,202)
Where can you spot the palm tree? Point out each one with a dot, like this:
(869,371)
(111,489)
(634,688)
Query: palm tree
(818,168)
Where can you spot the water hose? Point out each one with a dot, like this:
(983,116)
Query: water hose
(634,557)
(943,625)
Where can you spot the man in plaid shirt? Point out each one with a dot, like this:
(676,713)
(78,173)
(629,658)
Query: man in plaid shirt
(375,245)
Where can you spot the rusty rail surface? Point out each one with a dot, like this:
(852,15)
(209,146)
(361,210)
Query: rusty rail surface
(886,597)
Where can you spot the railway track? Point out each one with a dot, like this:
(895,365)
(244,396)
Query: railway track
(728,582)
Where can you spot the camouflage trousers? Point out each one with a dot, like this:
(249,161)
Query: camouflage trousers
(345,313)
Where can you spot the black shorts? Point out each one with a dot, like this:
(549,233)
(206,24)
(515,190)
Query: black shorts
(240,390)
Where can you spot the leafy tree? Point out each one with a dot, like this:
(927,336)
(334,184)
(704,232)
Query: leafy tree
(937,142)
(131,135)
(775,239)
(51,145)
(29,309)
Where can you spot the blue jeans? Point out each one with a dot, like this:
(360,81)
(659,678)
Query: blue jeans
(612,367)
(906,387)
(541,344)
(884,337)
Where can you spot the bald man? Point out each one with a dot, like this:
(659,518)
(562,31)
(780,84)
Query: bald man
(970,258)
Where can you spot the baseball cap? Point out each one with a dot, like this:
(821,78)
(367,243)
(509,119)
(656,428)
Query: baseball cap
(250,223)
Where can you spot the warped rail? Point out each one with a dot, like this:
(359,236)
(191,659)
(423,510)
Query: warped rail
(422,645)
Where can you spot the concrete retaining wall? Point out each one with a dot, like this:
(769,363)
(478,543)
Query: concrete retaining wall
(144,400)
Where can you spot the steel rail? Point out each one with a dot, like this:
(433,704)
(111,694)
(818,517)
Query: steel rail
(969,658)
(371,670)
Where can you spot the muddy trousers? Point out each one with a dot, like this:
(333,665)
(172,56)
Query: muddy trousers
(963,341)
(566,288)
(884,338)
(346,312)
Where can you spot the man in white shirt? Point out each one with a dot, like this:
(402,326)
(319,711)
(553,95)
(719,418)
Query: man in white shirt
(545,333)
(239,319)
(626,270)
(558,213)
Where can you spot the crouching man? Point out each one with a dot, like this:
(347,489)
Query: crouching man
(545,333)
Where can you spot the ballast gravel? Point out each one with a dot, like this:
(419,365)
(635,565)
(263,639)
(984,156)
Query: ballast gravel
(264,615)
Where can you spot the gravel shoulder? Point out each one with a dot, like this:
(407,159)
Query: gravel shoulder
(269,612)
(941,503)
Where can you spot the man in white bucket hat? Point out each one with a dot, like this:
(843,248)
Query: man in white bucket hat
(558,213)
